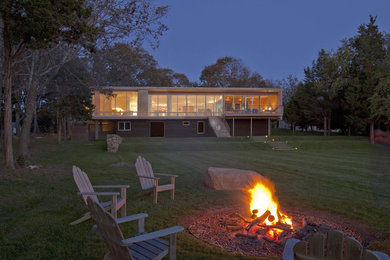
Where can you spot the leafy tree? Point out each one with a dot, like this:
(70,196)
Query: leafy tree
(230,72)
(323,75)
(111,20)
(369,48)
(124,65)
(37,24)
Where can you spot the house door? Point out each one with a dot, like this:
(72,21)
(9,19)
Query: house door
(157,129)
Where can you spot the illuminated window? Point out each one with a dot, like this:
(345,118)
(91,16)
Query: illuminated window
(158,105)
(200,104)
(228,103)
(181,105)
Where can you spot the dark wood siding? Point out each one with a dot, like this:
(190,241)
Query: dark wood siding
(175,128)
(242,127)
(260,127)
(139,128)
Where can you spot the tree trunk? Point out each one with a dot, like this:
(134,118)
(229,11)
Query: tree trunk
(24,141)
(325,125)
(64,128)
(293,128)
(36,129)
(17,122)
(349,131)
(69,124)
(372,133)
(59,134)
(329,125)
(8,150)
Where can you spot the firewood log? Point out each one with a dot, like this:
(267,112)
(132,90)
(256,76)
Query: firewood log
(233,227)
(258,220)
(251,236)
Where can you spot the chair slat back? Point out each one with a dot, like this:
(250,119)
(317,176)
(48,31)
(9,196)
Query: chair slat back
(316,246)
(109,230)
(83,183)
(353,249)
(334,245)
(144,168)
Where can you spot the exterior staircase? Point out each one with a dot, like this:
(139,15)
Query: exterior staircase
(220,126)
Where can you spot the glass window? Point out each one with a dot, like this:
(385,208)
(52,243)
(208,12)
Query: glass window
(210,105)
(200,104)
(162,105)
(132,103)
(272,102)
(124,126)
(153,105)
(120,103)
(181,105)
(264,103)
(173,106)
(191,105)
(256,104)
(218,105)
(238,102)
(228,103)
(106,104)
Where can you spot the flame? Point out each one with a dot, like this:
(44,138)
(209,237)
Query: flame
(263,198)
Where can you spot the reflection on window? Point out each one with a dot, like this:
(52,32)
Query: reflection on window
(117,104)
(250,104)
(158,105)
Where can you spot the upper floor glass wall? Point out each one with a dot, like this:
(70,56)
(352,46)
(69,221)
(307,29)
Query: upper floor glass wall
(251,104)
(185,105)
(116,104)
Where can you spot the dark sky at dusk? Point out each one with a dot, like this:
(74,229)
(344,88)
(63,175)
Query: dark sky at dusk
(273,37)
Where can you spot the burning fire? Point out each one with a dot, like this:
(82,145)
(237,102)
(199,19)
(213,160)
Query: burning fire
(264,204)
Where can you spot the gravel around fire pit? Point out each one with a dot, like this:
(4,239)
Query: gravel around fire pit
(224,228)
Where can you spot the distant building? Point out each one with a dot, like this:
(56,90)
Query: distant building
(185,112)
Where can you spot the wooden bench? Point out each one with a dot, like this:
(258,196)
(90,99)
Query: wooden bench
(86,190)
(337,248)
(142,246)
(149,181)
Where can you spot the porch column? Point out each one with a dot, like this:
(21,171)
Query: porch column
(96,130)
(233,126)
(269,126)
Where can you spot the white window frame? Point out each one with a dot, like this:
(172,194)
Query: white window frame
(185,123)
(124,125)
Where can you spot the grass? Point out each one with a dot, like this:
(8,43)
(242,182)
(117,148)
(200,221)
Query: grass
(343,175)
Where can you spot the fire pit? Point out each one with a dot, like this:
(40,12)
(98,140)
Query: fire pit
(264,228)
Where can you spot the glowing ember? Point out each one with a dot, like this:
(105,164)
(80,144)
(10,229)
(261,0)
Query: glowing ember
(263,198)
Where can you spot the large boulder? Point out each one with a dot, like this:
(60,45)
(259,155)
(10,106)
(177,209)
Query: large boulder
(113,142)
(229,178)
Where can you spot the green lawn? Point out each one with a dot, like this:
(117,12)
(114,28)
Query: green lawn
(343,175)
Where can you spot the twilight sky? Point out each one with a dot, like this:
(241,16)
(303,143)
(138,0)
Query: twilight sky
(273,37)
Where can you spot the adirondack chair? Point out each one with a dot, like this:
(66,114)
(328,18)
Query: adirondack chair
(149,181)
(296,249)
(86,190)
(142,246)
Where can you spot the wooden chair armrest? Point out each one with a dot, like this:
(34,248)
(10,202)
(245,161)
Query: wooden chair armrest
(155,234)
(100,193)
(131,218)
(111,186)
(147,177)
(164,174)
